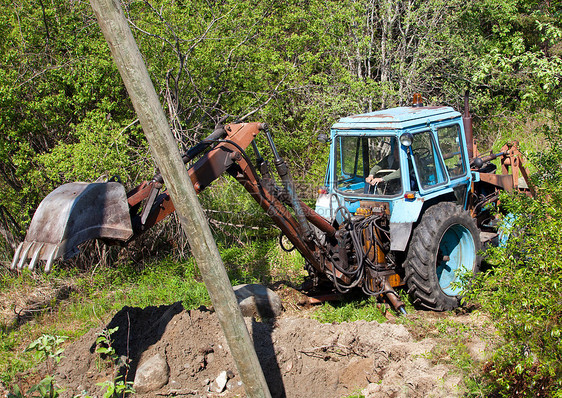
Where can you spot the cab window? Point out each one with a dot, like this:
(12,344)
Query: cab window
(359,157)
(450,143)
(428,166)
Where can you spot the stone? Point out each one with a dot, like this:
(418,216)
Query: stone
(220,382)
(151,374)
(258,301)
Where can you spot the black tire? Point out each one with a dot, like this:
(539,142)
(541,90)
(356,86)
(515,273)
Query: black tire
(445,242)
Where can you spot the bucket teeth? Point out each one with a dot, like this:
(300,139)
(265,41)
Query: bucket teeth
(35,251)
(35,256)
(23,257)
(50,259)
(16,257)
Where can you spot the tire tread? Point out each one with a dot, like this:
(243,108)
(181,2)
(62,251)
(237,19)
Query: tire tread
(420,276)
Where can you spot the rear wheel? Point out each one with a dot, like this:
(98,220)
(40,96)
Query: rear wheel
(444,246)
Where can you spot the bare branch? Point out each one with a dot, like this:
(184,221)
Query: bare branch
(271,96)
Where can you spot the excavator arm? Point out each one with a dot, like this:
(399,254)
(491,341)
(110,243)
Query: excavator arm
(77,212)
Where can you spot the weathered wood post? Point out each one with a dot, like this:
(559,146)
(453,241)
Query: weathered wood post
(166,154)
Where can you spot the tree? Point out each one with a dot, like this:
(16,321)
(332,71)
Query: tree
(57,86)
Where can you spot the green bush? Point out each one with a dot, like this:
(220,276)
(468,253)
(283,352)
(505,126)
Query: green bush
(522,290)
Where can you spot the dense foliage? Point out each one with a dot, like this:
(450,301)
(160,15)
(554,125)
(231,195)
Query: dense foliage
(299,65)
(522,290)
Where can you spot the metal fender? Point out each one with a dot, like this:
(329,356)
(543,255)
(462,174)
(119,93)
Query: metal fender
(404,214)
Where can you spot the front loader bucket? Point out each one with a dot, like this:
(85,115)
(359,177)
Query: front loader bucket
(71,214)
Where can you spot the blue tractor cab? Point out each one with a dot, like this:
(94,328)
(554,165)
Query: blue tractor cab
(398,180)
(416,154)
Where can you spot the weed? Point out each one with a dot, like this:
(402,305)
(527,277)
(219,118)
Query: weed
(49,346)
(350,311)
(104,343)
(104,346)
(45,388)
(116,388)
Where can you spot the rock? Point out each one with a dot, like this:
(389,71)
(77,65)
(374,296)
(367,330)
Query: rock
(151,374)
(220,382)
(234,386)
(258,300)
(200,363)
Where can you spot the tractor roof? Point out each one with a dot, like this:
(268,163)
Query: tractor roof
(397,118)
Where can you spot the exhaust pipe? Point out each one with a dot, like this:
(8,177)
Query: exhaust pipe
(467,123)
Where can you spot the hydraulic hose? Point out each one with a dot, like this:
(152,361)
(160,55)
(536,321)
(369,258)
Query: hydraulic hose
(283,171)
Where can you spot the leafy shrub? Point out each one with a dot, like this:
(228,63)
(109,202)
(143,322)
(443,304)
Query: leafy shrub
(48,346)
(522,290)
(102,148)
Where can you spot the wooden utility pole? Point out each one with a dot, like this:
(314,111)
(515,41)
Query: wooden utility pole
(164,149)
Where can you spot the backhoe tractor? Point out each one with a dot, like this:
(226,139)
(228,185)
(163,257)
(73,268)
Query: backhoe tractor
(406,201)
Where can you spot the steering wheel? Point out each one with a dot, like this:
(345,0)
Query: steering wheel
(371,189)
(379,174)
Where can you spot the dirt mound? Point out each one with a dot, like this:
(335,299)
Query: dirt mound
(300,357)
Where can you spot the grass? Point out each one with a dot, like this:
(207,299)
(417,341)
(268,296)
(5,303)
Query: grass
(351,310)
(13,358)
(262,261)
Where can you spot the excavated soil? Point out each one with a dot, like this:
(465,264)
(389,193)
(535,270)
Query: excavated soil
(300,357)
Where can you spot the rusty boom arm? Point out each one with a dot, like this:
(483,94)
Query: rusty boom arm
(98,210)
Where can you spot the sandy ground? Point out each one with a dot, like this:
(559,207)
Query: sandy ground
(300,357)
